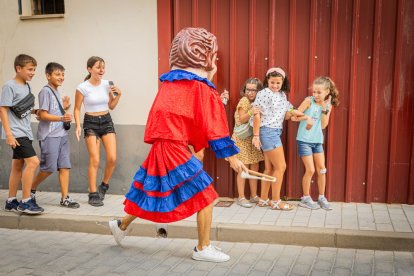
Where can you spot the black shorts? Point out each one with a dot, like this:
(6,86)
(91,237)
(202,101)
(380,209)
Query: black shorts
(25,150)
(98,125)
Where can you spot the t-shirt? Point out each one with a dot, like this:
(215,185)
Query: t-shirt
(48,102)
(273,106)
(12,93)
(315,134)
(95,98)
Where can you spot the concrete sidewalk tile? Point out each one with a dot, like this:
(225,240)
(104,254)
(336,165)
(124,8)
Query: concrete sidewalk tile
(341,271)
(384,227)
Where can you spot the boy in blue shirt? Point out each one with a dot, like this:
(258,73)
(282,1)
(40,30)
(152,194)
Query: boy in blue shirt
(52,135)
(19,136)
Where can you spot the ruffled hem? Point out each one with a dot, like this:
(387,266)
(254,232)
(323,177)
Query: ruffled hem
(224,147)
(198,202)
(172,179)
(179,74)
(167,201)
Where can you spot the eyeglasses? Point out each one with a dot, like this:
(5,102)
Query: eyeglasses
(250,91)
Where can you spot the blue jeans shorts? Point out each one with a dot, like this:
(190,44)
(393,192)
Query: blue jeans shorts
(54,154)
(305,149)
(270,138)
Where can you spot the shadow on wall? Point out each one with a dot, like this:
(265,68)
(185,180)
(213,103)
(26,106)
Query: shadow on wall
(131,152)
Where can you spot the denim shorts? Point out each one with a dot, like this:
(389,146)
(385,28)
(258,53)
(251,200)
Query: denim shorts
(306,149)
(270,138)
(98,125)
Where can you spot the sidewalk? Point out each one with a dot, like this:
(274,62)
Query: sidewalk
(374,226)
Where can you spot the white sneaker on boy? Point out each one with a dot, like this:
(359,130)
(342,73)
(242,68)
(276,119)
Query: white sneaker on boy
(210,254)
(118,234)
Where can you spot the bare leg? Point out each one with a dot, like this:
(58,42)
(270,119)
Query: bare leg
(27,176)
(40,177)
(15,176)
(319,159)
(253,182)
(126,221)
(92,144)
(204,219)
(109,142)
(307,177)
(277,158)
(64,182)
(240,185)
(264,194)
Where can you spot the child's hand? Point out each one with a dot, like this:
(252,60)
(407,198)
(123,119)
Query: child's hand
(296,113)
(66,102)
(256,110)
(294,119)
(327,102)
(225,96)
(256,142)
(309,123)
(67,117)
(11,141)
(78,132)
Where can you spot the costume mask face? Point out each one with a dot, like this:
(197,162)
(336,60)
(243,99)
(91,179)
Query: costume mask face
(194,48)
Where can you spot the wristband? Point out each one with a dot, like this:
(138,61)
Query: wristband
(291,110)
(325,112)
(249,112)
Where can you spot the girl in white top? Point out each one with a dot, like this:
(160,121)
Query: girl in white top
(97,96)
(267,129)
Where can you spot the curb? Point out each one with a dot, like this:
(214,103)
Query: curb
(315,237)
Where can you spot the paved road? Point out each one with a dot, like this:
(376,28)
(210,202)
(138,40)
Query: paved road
(26,252)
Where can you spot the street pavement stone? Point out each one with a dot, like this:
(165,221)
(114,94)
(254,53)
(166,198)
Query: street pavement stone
(157,256)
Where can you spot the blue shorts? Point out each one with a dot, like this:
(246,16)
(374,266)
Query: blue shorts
(270,138)
(54,154)
(305,149)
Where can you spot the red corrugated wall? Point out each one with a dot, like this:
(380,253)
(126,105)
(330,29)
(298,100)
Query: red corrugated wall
(366,46)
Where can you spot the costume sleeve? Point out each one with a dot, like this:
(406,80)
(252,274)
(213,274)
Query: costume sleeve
(216,126)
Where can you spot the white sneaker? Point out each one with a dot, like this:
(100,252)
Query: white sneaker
(210,254)
(118,234)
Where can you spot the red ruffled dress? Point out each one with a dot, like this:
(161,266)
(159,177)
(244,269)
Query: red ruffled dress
(171,184)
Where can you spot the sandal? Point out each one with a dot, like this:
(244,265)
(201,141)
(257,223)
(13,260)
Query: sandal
(276,205)
(263,203)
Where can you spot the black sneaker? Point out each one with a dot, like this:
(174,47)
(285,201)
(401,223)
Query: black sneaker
(102,189)
(69,203)
(95,199)
(29,207)
(11,206)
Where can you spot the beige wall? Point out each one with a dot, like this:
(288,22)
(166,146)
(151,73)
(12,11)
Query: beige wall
(123,32)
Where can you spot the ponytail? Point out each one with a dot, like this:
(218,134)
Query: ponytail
(88,76)
(329,84)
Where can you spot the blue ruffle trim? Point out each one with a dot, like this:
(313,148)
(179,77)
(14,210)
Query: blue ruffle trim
(174,177)
(179,74)
(224,147)
(169,203)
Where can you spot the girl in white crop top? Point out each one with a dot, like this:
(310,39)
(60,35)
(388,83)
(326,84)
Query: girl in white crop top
(97,96)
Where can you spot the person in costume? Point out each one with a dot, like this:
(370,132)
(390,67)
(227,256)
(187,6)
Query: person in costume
(171,184)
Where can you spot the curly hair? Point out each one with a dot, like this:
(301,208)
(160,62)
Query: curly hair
(193,47)
(329,84)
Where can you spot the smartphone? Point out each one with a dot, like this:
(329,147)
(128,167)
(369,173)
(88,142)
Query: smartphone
(111,83)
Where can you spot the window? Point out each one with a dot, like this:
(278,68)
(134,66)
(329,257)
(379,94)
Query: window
(41,8)
(48,7)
